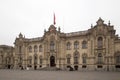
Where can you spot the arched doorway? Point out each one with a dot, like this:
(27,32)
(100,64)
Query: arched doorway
(52,61)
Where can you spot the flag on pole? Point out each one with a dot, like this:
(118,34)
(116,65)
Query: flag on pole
(54,21)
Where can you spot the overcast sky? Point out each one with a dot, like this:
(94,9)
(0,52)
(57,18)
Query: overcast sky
(31,17)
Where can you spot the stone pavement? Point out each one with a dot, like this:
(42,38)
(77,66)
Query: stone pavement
(57,75)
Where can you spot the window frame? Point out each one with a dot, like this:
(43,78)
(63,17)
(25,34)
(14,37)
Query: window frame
(100,42)
(40,48)
(35,48)
(84,44)
(68,45)
(76,45)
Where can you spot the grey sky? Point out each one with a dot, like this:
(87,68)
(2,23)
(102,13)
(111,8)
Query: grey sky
(31,17)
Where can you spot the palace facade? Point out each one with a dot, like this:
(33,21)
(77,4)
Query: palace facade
(6,56)
(97,48)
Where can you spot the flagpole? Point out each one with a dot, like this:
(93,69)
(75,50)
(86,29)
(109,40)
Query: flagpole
(54,19)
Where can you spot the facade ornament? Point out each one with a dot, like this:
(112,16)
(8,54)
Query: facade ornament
(91,25)
(20,35)
(100,21)
(59,29)
(109,23)
(44,30)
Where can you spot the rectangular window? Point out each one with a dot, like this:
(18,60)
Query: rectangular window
(100,60)
(40,61)
(75,60)
(30,61)
(68,60)
(76,46)
(84,60)
(118,59)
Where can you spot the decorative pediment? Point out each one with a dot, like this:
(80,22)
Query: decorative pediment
(100,22)
(52,28)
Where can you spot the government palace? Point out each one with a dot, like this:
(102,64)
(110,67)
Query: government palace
(95,49)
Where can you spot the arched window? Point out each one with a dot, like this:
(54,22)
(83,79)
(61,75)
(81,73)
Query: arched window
(84,45)
(76,45)
(68,58)
(68,45)
(76,57)
(52,45)
(40,48)
(100,42)
(84,58)
(30,49)
(100,61)
(35,48)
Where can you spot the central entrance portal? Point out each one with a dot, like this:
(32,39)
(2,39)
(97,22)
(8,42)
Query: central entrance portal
(52,61)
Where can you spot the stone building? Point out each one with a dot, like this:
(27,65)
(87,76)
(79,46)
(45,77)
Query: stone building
(97,48)
(6,57)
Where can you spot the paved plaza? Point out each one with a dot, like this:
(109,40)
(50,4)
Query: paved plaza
(57,75)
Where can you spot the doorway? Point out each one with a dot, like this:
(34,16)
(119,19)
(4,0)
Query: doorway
(52,61)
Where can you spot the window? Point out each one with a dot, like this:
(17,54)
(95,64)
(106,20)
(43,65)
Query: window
(76,56)
(20,60)
(84,45)
(52,45)
(76,60)
(118,59)
(100,58)
(30,60)
(8,60)
(76,45)
(35,59)
(40,48)
(68,45)
(40,59)
(84,60)
(30,49)
(68,58)
(35,48)
(100,42)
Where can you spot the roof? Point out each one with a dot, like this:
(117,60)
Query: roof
(76,33)
(34,39)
